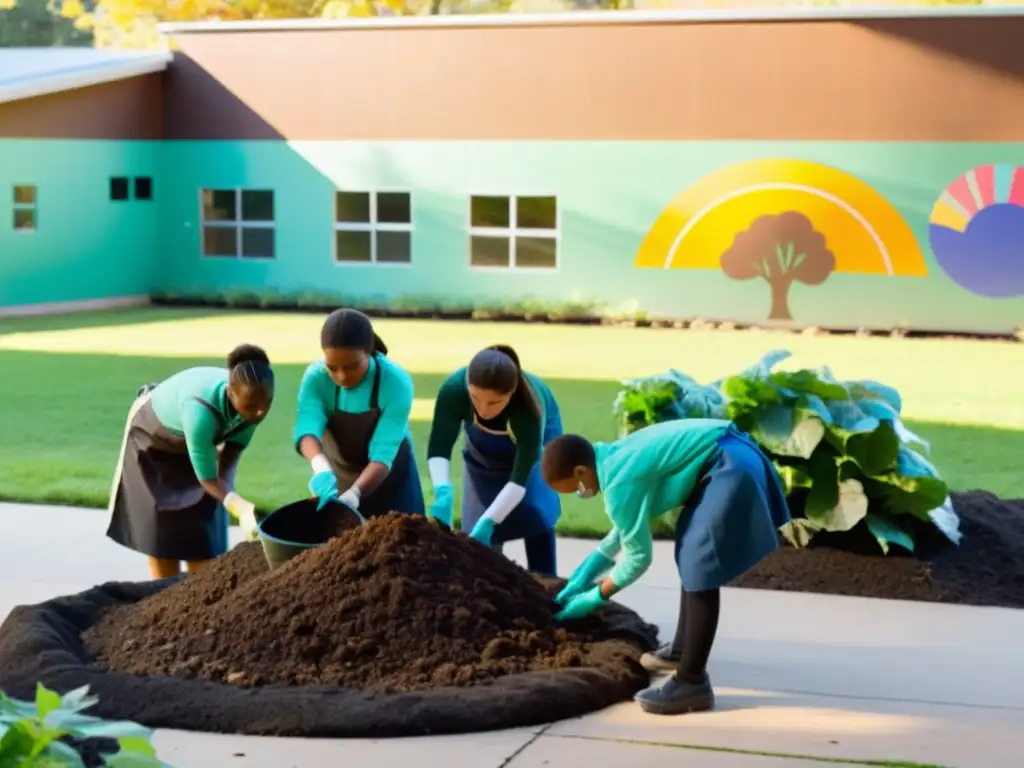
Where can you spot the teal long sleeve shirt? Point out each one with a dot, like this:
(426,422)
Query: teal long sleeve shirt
(319,397)
(646,475)
(175,406)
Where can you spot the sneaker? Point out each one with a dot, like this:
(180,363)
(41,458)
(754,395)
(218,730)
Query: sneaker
(665,659)
(677,697)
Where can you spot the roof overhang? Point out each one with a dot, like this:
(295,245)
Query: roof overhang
(41,79)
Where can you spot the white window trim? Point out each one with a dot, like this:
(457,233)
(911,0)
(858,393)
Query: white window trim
(512,231)
(237,223)
(33,206)
(372,226)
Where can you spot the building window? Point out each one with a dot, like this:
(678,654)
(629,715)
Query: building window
(238,223)
(372,227)
(25,208)
(513,231)
(119,188)
(143,188)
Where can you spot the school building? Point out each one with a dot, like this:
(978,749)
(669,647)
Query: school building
(840,168)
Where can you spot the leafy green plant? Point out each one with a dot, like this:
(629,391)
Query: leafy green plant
(31,733)
(843,454)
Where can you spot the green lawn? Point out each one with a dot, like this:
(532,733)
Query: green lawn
(66,384)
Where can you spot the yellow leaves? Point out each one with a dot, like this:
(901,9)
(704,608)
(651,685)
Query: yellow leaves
(6,5)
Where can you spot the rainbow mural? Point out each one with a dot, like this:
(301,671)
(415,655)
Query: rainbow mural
(977,231)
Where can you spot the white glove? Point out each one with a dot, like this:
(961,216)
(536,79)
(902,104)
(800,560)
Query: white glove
(244,512)
(351,498)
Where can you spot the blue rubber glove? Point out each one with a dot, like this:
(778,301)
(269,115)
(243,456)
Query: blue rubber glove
(444,504)
(597,564)
(581,605)
(483,531)
(324,485)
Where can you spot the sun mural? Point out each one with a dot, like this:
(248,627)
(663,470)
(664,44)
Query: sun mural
(783,221)
(977,231)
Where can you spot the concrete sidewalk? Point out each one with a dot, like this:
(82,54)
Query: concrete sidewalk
(800,678)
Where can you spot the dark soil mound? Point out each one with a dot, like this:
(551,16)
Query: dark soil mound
(986,569)
(93,751)
(401,604)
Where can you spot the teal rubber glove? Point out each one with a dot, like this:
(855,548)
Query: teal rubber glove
(483,531)
(444,504)
(324,485)
(581,605)
(597,564)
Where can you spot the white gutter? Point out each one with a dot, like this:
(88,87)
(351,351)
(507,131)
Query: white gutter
(599,18)
(71,77)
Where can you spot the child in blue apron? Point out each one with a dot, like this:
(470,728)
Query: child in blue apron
(174,483)
(731,505)
(508,416)
(353,422)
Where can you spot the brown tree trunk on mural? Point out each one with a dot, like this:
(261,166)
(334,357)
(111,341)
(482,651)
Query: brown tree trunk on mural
(780,298)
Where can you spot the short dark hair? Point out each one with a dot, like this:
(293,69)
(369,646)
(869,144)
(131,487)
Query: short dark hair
(350,329)
(497,369)
(563,454)
(249,366)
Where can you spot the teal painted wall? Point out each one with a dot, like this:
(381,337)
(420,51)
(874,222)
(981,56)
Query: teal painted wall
(85,246)
(609,195)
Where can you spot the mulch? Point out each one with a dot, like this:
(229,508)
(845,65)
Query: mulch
(987,568)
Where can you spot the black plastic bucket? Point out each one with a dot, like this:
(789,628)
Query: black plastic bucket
(297,527)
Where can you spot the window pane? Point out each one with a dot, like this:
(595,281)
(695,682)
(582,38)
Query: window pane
(394,247)
(536,212)
(219,204)
(24,194)
(352,207)
(394,207)
(536,252)
(220,241)
(143,188)
(488,251)
(352,246)
(257,205)
(258,243)
(489,211)
(25,219)
(119,188)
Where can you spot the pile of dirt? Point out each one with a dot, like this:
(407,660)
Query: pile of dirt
(400,604)
(987,568)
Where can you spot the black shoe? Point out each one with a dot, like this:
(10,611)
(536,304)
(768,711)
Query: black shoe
(665,659)
(677,697)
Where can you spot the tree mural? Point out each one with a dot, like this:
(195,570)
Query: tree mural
(780,250)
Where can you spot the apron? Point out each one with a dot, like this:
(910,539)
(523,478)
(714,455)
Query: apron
(346,444)
(731,521)
(487,456)
(157,506)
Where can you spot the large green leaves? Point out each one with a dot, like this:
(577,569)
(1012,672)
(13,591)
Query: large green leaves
(842,452)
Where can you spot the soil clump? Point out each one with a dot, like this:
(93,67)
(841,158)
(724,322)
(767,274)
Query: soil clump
(400,604)
(987,568)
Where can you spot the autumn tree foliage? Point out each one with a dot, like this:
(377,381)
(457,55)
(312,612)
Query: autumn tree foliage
(780,249)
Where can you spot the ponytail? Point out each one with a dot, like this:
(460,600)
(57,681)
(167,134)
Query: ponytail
(497,369)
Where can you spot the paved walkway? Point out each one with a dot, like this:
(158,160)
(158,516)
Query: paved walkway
(800,678)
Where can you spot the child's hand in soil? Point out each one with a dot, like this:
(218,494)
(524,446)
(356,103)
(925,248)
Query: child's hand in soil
(596,564)
(443,507)
(483,531)
(582,605)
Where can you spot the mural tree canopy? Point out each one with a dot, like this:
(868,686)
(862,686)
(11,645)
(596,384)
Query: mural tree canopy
(780,249)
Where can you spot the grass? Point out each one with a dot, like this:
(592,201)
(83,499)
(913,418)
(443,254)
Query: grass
(66,384)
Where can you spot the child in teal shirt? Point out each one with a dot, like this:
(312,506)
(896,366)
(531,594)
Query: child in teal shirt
(730,503)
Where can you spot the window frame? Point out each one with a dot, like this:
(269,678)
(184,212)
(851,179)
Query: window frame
(33,206)
(372,226)
(238,224)
(512,231)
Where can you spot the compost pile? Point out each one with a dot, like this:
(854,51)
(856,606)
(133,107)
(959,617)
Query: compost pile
(400,604)
(987,568)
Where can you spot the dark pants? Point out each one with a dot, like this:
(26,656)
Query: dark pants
(540,552)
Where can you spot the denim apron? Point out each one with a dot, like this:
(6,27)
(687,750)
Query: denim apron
(488,455)
(157,506)
(346,443)
(731,520)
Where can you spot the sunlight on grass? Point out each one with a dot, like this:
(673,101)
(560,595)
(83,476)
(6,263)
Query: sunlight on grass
(950,381)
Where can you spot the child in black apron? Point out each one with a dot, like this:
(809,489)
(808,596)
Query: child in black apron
(353,422)
(174,484)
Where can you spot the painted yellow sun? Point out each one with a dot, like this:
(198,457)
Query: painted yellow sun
(862,229)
